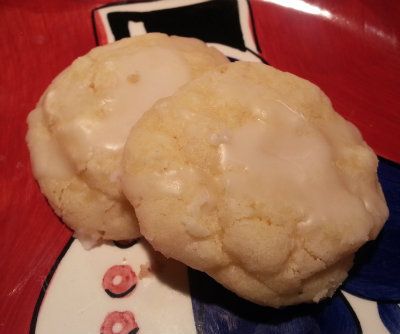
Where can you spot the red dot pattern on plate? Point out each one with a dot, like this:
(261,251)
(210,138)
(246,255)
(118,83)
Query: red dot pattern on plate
(119,281)
(119,323)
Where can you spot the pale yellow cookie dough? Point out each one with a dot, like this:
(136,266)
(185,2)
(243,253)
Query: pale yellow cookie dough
(79,127)
(248,174)
(91,214)
(91,106)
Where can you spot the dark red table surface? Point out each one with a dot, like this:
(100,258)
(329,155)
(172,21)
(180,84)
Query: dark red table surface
(351,49)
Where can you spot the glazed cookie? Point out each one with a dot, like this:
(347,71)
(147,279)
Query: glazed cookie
(91,106)
(81,123)
(248,174)
(91,214)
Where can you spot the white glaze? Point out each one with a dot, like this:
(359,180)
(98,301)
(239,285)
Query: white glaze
(282,159)
(126,86)
(172,182)
(48,160)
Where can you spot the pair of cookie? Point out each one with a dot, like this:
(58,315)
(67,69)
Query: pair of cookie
(245,172)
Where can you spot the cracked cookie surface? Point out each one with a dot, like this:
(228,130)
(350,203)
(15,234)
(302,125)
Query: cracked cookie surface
(91,214)
(91,107)
(79,127)
(248,174)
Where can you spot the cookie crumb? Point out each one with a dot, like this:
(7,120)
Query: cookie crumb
(145,271)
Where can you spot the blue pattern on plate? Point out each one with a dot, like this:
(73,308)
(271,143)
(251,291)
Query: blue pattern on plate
(376,273)
(337,316)
(375,276)
(390,315)
(216,310)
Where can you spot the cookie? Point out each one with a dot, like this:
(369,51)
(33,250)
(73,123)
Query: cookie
(79,127)
(91,107)
(248,174)
(91,214)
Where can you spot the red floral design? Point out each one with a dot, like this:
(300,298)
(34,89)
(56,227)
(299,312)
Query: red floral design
(119,323)
(119,281)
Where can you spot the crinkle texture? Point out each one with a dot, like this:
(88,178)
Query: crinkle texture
(95,98)
(78,129)
(248,174)
(91,214)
